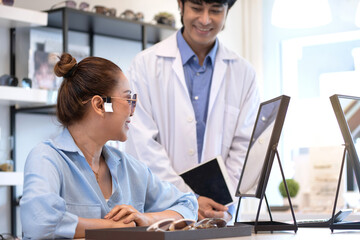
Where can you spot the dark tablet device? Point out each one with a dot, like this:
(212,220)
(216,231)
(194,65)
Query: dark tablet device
(210,179)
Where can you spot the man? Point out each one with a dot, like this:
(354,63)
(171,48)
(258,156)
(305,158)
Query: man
(197,100)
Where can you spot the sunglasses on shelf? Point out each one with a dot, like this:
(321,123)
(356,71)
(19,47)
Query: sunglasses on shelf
(71,4)
(7,2)
(105,11)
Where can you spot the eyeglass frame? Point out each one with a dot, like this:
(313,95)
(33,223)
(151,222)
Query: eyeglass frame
(131,101)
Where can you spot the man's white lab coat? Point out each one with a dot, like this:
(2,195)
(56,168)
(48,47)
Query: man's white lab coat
(163,129)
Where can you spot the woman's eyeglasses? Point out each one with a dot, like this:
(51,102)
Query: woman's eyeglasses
(71,4)
(186,224)
(131,101)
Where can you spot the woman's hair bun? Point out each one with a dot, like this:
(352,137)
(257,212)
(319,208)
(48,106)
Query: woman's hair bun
(64,65)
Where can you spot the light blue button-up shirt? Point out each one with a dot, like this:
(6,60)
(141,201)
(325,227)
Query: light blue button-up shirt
(198,81)
(59,187)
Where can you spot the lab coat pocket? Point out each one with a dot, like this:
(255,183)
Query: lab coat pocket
(230,119)
(84,210)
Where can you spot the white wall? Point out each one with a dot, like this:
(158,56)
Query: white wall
(231,36)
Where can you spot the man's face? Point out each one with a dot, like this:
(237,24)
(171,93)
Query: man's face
(202,22)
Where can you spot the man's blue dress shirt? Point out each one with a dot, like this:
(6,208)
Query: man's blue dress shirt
(198,81)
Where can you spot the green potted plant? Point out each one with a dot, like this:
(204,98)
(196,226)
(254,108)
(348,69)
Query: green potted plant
(293,187)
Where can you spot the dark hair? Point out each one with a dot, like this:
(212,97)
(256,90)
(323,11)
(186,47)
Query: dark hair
(91,76)
(230,3)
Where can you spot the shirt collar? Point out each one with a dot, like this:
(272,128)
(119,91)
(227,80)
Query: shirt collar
(186,52)
(66,142)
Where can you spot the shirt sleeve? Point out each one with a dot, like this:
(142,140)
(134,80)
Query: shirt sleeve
(43,211)
(163,195)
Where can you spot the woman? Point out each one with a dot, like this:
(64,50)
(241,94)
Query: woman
(74,181)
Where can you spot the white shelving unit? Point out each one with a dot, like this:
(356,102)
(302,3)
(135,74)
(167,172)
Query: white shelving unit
(11,178)
(12,17)
(22,96)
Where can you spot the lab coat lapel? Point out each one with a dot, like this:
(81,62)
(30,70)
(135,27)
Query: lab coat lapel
(179,72)
(168,49)
(217,80)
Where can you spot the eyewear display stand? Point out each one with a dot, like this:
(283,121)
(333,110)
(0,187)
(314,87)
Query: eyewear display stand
(259,160)
(270,225)
(341,225)
(347,110)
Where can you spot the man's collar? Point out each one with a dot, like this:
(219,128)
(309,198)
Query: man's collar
(186,52)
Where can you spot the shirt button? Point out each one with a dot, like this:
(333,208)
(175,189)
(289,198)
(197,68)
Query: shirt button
(191,152)
(197,74)
(194,58)
(196,97)
(190,119)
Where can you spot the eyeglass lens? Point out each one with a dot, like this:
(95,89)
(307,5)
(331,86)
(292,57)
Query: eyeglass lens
(133,103)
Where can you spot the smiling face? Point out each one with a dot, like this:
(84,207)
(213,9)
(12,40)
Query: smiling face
(119,119)
(202,22)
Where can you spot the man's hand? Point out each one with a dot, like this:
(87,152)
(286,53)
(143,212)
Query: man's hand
(127,214)
(208,208)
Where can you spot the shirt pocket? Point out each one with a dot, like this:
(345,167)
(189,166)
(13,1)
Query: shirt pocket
(230,120)
(84,210)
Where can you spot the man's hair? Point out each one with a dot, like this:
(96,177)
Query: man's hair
(230,3)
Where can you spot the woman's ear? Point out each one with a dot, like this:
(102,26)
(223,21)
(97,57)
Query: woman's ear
(97,104)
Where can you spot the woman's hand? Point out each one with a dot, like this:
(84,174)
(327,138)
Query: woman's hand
(127,214)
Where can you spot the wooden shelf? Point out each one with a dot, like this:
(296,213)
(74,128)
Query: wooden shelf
(12,17)
(90,22)
(11,178)
(22,96)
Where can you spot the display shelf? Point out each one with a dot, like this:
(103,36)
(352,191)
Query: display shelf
(11,178)
(90,22)
(12,17)
(22,96)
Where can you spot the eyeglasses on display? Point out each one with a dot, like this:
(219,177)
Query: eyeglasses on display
(131,15)
(171,224)
(7,2)
(186,224)
(105,11)
(71,4)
